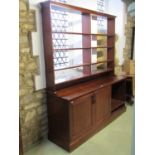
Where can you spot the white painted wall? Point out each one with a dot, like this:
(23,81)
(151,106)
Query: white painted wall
(84,3)
(114,7)
(37,45)
(118,8)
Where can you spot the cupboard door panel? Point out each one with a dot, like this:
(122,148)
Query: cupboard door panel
(102,103)
(81,115)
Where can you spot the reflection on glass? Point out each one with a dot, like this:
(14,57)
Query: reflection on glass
(99,55)
(72,58)
(68,61)
(98,68)
(94,56)
(74,22)
(101,41)
(68,74)
(101,24)
(74,41)
(75,57)
(63,41)
(93,26)
(78,72)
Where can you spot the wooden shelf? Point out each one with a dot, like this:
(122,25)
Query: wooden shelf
(83,76)
(70,49)
(78,33)
(115,104)
(86,64)
(102,47)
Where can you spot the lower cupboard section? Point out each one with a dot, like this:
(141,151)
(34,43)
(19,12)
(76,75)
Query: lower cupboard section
(71,122)
(83,137)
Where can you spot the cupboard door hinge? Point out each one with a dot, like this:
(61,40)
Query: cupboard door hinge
(93,97)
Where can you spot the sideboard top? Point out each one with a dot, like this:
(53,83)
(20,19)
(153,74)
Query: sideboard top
(73,92)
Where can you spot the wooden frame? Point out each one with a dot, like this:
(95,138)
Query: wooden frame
(86,42)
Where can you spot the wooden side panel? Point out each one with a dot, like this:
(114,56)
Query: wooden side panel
(111,43)
(58,120)
(48,47)
(103,99)
(111,26)
(81,115)
(86,42)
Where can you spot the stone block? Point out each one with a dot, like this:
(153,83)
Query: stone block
(126,66)
(39,110)
(118,70)
(22,14)
(25,16)
(25,50)
(132,67)
(22,92)
(27,75)
(23,31)
(23,58)
(40,95)
(27,99)
(30,115)
(28,27)
(21,65)
(30,106)
(44,108)
(23,45)
(23,39)
(44,128)
(32,66)
(31,17)
(22,6)
(30,90)
(126,56)
(30,82)
(22,19)
(42,117)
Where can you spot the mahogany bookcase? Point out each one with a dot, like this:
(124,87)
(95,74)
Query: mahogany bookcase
(83,95)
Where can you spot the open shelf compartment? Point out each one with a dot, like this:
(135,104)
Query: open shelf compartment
(118,95)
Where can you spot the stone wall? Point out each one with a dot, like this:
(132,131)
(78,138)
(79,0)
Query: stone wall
(128,33)
(128,44)
(126,67)
(33,112)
